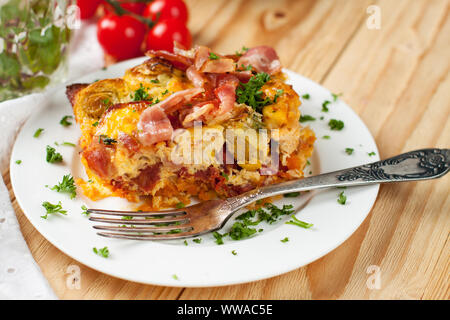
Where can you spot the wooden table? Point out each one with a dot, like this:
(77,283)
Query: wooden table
(397,79)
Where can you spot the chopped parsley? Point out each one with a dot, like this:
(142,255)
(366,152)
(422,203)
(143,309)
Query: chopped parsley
(299,223)
(336,96)
(243,228)
(198,240)
(277,95)
(38,132)
(234,252)
(321,118)
(85,210)
(306,96)
(154,81)
(304,118)
(325,106)
(103,252)
(67,185)
(349,151)
(250,93)
(95,124)
(371,154)
(64,122)
(223,174)
(219,237)
(342,198)
(175,277)
(106,140)
(180,205)
(285,239)
(127,218)
(165,92)
(291,194)
(213,56)
(185,243)
(52,155)
(326,137)
(52,209)
(141,94)
(18,161)
(336,124)
(243,50)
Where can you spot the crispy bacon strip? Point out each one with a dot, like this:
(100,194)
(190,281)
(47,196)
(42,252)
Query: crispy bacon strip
(177,99)
(178,61)
(221,65)
(262,58)
(154,126)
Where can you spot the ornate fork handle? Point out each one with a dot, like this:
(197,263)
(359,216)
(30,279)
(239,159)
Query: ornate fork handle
(411,166)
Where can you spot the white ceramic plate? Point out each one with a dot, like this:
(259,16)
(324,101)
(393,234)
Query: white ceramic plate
(204,264)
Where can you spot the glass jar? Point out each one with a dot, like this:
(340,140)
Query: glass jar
(34,44)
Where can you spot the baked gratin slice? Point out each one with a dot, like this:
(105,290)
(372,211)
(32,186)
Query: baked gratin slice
(190,123)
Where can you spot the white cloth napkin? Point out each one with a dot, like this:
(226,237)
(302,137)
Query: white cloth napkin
(20,276)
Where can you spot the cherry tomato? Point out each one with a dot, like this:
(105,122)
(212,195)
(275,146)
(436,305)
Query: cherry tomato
(164,33)
(88,8)
(167,9)
(135,7)
(121,36)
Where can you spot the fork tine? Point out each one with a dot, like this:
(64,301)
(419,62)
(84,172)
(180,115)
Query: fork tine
(143,229)
(140,221)
(172,236)
(136,213)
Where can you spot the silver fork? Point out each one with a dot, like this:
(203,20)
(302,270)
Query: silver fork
(211,215)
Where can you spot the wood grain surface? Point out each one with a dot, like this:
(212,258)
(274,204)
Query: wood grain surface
(397,79)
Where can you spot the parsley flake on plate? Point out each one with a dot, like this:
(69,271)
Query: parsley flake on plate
(305,118)
(336,124)
(67,185)
(234,253)
(18,161)
(299,223)
(371,154)
(38,132)
(342,198)
(285,240)
(174,276)
(325,106)
(306,96)
(198,240)
(326,137)
(85,210)
(64,122)
(103,252)
(53,156)
(349,151)
(336,96)
(52,209)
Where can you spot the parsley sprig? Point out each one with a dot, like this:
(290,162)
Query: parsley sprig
(67,185)
(52,209)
